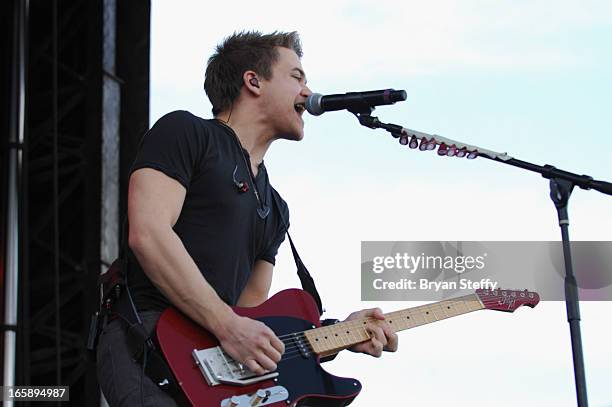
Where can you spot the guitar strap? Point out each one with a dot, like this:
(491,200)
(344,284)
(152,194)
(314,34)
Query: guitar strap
(306,279)
(117,302)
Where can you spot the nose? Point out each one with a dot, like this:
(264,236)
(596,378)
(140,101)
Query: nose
(305,91)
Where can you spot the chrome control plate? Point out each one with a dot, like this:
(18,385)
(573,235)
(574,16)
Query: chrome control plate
(270,395)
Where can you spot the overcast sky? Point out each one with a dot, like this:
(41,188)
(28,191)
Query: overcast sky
(528,77)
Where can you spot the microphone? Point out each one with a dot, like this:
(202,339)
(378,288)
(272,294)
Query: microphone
(355,102)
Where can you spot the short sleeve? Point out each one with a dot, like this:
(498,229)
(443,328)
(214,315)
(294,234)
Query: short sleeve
(277,239)
(172,146)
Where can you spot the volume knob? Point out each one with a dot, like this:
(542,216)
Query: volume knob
(258,397)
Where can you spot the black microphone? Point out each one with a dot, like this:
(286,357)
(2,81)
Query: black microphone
(356,102)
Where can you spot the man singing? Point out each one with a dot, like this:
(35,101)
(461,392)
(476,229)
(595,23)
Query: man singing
(204,228)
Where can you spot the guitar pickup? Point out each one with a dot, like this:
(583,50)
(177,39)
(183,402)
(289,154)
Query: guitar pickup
(298,340)
(218,367)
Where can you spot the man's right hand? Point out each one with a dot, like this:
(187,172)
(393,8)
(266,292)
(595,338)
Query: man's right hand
(251,343)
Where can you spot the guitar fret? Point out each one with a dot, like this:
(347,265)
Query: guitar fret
(437,313)
(422,317)
(331,339)
(342,339)
(429,315)
(461,304)
(334,339)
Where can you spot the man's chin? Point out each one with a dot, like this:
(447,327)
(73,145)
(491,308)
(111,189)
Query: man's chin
(293,135)
(299,136)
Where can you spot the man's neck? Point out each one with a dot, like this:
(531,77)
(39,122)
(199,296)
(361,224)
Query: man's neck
(251,135)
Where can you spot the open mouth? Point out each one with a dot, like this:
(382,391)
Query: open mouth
(299,107)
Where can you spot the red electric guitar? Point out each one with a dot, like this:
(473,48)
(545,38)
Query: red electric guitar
(210,377)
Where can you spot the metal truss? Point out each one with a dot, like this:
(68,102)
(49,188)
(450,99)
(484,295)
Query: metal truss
(87,84)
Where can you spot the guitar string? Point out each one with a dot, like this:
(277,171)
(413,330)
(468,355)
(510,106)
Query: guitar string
(356,323)
(293,351)
(432,307)
(285,357)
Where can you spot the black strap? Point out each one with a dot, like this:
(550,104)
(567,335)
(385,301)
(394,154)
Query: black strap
(308,283)
(140,343)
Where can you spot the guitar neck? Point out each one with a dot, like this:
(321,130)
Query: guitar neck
(329,340)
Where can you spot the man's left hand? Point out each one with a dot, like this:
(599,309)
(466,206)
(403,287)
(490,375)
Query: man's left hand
(382,336)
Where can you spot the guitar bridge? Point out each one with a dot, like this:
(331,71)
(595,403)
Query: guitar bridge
(218,367)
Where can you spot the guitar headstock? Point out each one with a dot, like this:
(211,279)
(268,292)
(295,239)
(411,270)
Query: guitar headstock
(507,300)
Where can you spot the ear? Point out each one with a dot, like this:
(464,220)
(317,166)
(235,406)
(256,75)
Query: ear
(251,82)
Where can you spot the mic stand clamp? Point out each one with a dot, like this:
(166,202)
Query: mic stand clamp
(373,123)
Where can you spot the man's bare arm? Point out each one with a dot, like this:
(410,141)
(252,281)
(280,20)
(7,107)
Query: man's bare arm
(258,286)
(154,204)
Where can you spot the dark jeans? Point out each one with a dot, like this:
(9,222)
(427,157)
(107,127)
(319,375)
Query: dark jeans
(121,378)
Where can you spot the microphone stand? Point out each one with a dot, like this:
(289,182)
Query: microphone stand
(561,186)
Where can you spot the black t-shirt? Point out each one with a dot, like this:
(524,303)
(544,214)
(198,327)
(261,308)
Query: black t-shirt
(218,224)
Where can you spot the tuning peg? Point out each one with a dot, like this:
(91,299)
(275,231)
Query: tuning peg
(423,145)
(431,144)
(443,149)
(414,142)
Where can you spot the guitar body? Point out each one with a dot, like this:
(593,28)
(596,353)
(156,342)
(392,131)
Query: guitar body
(287,312)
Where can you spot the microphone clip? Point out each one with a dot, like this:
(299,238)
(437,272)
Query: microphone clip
(362,110)
(368,121)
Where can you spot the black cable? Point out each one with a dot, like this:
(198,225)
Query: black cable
(142,372)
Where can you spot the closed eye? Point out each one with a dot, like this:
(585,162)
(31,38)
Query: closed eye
(299,75)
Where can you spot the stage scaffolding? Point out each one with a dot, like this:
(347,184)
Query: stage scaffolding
(78,90)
